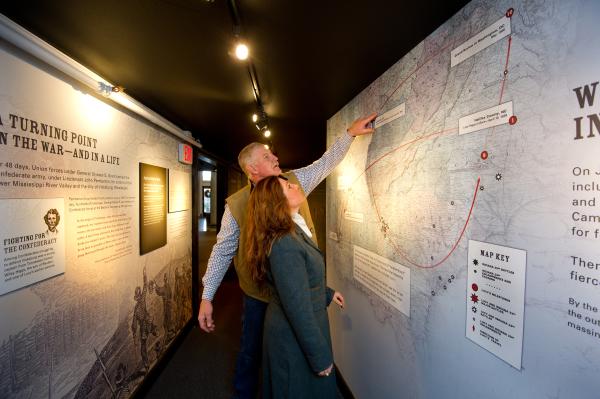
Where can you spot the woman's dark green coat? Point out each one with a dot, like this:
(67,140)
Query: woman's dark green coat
(296,341)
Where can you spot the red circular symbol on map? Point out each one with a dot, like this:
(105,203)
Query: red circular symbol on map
(509,12)
(475,287)
(484,154)
(512,120)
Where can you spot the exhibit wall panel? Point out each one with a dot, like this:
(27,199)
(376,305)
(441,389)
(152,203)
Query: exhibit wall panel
(83,313)
(465,231)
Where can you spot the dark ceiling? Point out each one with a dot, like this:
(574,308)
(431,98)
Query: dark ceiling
(174,56)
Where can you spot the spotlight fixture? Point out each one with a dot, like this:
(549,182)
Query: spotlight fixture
(262,120)
(262,124)
(254,118)
(267,133)
(241,51)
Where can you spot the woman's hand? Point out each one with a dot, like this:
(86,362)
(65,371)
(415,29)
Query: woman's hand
(326,372)
(339,299)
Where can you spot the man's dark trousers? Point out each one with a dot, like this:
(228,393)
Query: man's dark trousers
(249,358)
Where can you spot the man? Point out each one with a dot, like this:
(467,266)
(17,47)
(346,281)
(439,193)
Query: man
(258,162)
(52,218)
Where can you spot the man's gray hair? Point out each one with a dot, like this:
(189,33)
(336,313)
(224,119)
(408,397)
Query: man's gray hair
(245,156)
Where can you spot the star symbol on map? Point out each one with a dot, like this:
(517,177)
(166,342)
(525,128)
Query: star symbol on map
(498,176)
(475,262)
(474,298)
(474,309)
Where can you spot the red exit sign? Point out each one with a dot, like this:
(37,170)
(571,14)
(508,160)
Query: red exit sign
(186,154)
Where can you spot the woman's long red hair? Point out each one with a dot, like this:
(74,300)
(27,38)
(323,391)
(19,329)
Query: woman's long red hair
(269,218)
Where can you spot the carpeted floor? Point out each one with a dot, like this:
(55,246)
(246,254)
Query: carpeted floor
(203,365)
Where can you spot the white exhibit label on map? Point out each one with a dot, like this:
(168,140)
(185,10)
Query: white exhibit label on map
(496,299)
(485,38)
(494,116)
(390,115)
(354,216)
(389,280)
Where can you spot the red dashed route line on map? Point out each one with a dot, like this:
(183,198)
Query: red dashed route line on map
(509,14)
(462,232)
(441,132)
(505,70)
(374,201)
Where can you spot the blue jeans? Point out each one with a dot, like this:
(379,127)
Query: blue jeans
(245,380)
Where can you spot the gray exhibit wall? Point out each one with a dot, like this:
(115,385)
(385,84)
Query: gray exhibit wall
(465,232)
(83,313)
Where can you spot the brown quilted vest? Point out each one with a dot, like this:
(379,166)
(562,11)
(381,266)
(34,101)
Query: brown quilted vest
(237,206)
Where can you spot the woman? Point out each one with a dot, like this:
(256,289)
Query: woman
(297,355)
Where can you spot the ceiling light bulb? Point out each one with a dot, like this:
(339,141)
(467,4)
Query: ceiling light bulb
(241,51)
(254,118)
(267,133)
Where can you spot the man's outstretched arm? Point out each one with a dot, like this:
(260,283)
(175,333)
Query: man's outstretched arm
(310,176)
(220,259)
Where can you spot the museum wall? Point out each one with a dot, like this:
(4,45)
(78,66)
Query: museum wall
(317,205)
(96,238)
(465,232)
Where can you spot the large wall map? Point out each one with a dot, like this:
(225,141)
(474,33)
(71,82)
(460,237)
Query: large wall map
(465,231)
